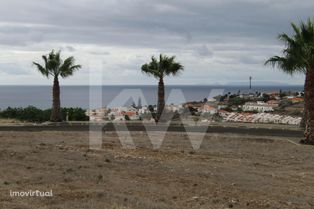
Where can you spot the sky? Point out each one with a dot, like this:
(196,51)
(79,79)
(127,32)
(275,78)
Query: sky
(219,42)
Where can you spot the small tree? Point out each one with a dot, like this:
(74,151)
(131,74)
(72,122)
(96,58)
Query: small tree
(126,117)
(297,57)
(55,67)
(159,69)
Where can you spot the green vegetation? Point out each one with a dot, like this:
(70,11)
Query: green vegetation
(33,114)
(297,57)
(159,69)
(236,101)
(54,67)
(126,117)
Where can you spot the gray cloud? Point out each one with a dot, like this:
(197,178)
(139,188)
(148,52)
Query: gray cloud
(13,69)
(144,22)
(99,53)
(240,32)
(204,51)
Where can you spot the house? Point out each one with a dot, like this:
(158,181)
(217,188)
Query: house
(173,108)
(143,110)
(211,100)
(257,106)
(119,113)
(247,95)
(208,109)
(98,115)
(223,113)
(222,105)
(132,115)
(296,100)
(273,103)
(273,94)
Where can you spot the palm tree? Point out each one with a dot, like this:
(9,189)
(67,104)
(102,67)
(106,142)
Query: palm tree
(165,66)
(54,67)
(298,57)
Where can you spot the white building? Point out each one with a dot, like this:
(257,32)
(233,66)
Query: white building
(208,109)
(98,115)
(143,110)
(261,118)
(211,100)
(173,107)
(115,113)
(257,106)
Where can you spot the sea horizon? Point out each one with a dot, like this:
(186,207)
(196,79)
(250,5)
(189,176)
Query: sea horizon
(234,85)
(79,95)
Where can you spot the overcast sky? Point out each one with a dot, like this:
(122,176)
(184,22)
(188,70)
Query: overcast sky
(218,41)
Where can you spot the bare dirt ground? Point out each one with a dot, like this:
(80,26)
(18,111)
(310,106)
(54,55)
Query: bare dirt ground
(229,171)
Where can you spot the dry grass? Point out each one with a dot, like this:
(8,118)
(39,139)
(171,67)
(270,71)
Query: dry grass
(9,121)
(228,171)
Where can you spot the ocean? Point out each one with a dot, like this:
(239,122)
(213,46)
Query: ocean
(96,96)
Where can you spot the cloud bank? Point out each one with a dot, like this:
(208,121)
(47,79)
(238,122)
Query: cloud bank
(218,42)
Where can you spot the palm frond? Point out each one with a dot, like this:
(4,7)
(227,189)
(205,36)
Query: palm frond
(55,66)
(152,68)
(176,68)
(41,69)
(68,67)
(45,60)
(162,67)
(286,64)
(286,39)
(297,56)
(296,29)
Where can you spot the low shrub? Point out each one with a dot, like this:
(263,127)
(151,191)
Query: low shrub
(33,114)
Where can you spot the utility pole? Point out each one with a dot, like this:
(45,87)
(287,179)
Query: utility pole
(250,83)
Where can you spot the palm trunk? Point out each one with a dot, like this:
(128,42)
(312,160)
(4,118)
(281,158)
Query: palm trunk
(304,117)
(309,107)
(303,121)
(161,99)
(55,112)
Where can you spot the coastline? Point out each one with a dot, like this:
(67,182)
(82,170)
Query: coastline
(80,96)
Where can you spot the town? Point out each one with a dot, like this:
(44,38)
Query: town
(269,107)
